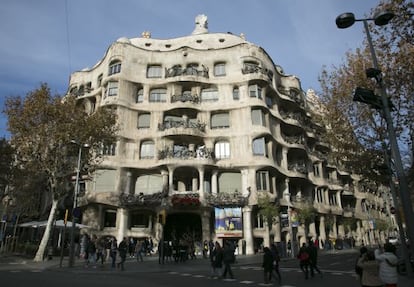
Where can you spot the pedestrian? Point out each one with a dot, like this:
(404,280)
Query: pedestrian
(228,259)
(216,259)
(100,251)
(313,259)
(91,251)
(131,247)
(267,265)
(205,249)
(122,249)
(114,251)
(276,260)
(370,273)
(139,249)
(289,248)
(388,263)
(303,257)
(358,269)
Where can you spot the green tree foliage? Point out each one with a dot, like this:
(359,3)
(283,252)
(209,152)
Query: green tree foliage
(355,130)
(268,209)
(6,165)
(42,127)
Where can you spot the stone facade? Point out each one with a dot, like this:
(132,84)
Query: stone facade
(209,123)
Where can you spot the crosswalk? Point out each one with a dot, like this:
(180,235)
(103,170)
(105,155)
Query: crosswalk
(257,268)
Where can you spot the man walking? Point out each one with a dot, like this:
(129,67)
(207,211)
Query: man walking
(228,259)
(313,258)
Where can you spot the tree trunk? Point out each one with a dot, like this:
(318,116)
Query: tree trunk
(45,239)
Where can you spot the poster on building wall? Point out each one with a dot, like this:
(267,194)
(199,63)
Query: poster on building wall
(228,222)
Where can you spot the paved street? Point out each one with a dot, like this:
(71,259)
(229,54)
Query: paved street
(338,270)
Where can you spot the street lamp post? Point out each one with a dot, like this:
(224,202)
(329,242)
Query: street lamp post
(75,204)
(346,20)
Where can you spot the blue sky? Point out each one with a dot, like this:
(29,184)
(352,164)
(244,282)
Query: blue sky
(47,40)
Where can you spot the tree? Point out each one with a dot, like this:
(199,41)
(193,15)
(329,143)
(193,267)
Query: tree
(268,210)
(42,127)
(306,215)
(6,165)
(358,131)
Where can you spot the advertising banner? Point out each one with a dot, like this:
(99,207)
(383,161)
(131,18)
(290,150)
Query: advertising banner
(228,222)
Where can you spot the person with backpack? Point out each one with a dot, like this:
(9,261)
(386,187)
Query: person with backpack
(388,262)
(303,257)
(122,249)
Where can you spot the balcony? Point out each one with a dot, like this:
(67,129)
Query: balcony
(185,200)
(185,153)
(227,199)
(185,124)
(183,98)
(141,199)
(249,68)
(177,70)
(299,167)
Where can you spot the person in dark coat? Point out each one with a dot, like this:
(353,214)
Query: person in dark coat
(216,259)
(313,259)
(122,249)
(276,260)
(303,257)
(267,264)
(228,259)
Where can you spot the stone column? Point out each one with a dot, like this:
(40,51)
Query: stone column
(247,229)
(170,181)
(205,225)
(322,233)
(128,184)
(122,223)
(214,182)
(201,185)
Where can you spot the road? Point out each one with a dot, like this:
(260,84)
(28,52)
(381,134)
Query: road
(337,268)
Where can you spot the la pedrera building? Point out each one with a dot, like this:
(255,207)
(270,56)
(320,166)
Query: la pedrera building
(209,124)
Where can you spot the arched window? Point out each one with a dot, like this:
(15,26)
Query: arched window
(222,149)
(114,67)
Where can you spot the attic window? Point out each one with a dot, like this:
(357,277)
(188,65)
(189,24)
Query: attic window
(147,44)
(221,40)
(167,46)
(199,41)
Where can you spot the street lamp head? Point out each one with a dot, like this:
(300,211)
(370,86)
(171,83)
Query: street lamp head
(345,20)
(383,18)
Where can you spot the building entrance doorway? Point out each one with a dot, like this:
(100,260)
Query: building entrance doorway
(183,229)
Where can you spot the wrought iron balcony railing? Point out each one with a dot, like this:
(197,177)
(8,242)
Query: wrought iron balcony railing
(182,124)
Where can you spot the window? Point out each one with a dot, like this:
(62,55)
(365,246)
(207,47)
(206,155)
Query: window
(114,67)
(209,94)
(269,102)
(220,69)
(99,81)
(259,222)
(262,180)
(147,149)
(140,220)
(110,218)
(222,149)
(220,120)
(236,94)
(158,95)
(108,149)
(112,89)
(140,96)
(255,91)
(154,71)
(258,117)
(316,171)
(144,120)
(259,146)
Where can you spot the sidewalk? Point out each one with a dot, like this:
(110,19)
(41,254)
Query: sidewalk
(150,264)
